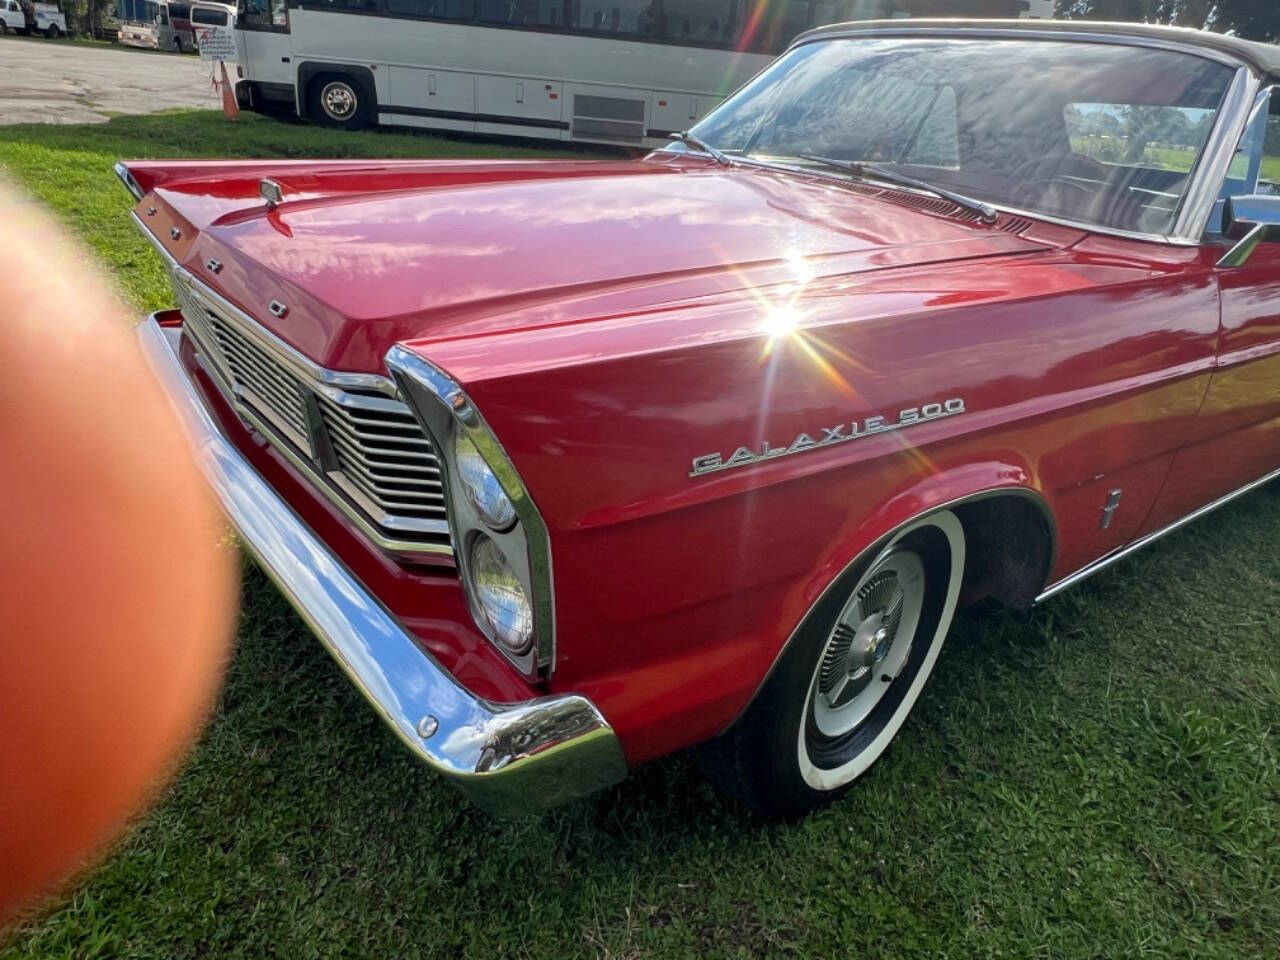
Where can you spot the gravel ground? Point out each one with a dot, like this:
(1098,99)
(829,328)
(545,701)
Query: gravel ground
(59,81)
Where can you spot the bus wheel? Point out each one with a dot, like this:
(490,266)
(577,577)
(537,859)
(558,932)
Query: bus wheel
(338,101)
(177,44)
(51,31)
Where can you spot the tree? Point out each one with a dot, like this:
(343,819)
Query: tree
(1251,19)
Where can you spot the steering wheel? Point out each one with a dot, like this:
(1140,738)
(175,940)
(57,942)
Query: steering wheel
(1058,175)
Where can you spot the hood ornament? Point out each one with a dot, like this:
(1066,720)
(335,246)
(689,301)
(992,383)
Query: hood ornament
(270,191)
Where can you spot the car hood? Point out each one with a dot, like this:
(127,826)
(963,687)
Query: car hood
(362,260)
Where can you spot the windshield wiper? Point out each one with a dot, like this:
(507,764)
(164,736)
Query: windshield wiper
(865,171)
(702,147)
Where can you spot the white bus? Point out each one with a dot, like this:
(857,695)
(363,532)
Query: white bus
(155,23)
(605,71)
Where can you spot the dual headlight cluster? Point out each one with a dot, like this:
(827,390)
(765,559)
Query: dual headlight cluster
(500,541)
(496,586)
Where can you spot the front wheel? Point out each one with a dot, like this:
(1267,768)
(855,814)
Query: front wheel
(340,101)
(848,679)
(52,31)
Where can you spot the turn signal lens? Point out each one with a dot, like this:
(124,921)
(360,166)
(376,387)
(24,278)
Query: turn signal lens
(480,485)
(501,597)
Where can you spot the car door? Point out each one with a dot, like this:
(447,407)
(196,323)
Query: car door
(1238,431)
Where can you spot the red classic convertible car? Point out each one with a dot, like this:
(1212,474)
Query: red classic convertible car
(572,464)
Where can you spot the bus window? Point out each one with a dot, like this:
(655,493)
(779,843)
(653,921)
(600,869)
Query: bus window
(253,13)
(534,13)
(208,17)
(263,13)
(842,11)
(769,25)
(444,9)
(352,6)
(698,21)
(615,16)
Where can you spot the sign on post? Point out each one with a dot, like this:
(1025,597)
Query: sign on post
(217,44)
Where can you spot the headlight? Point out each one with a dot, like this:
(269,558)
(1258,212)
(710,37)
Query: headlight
(501,597)
(480,485)
(501,541)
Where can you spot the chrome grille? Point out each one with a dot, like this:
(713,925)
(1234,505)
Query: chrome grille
(272,389)
(363,447)
(383,454)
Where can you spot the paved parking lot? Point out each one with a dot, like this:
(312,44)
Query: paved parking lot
(52,81)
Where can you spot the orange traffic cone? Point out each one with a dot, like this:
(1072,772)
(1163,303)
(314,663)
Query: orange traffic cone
(230,109)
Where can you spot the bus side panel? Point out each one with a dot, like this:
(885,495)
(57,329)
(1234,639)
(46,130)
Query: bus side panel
(677,111)
(438,99)
(514,82)
(519,106)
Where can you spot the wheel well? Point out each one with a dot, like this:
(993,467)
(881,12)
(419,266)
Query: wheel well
(308,73)
(1009,545)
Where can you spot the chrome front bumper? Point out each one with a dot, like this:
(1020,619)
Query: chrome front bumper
(509,759)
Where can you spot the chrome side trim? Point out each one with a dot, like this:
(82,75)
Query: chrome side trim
(509,759)
(871,552)
(1215,158)
(1239,254)
(129,182)
(442,406)
(1150,538)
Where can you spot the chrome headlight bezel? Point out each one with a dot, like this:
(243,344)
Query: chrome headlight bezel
(443,409)
(503,618)
(492,505)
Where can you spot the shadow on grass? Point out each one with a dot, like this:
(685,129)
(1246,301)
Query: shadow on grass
(206,133)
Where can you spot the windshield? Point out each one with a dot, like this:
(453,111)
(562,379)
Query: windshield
(1095,133)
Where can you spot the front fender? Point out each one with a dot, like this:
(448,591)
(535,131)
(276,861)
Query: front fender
(951,489)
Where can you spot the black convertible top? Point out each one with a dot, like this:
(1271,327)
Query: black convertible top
(1264,58)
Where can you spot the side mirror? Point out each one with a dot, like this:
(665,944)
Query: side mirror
(1249,220)
(1244,213)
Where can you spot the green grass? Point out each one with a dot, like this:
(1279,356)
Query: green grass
(1097,778)
(1178,159)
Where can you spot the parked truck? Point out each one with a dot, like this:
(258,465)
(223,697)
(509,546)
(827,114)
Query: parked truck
(45,18)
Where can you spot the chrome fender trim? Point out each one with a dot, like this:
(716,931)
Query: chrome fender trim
(1147,539)
(509,759)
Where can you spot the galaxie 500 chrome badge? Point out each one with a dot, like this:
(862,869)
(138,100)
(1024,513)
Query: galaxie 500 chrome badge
(828,436)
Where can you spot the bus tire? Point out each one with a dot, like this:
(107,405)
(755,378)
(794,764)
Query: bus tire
(341,101)
(177,44)
(52,31)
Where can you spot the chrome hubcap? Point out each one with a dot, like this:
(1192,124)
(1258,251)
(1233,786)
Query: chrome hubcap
(869,644)
(339,101)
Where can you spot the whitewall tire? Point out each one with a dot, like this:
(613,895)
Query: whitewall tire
(847,681)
